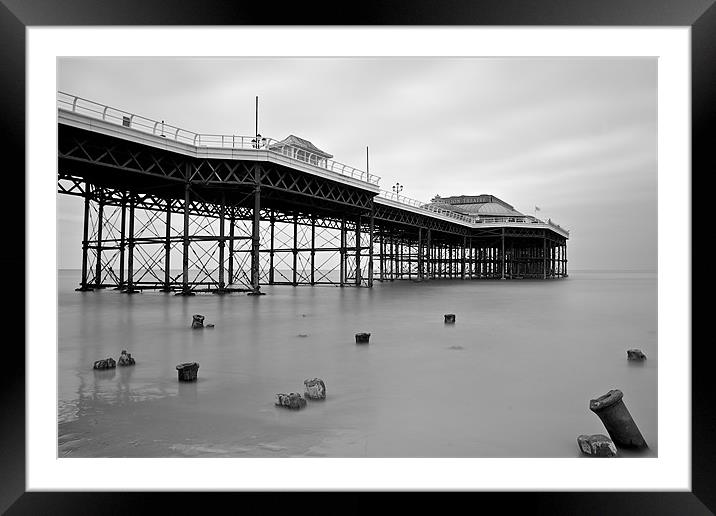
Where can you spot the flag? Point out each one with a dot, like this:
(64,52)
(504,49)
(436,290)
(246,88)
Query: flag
(536,208)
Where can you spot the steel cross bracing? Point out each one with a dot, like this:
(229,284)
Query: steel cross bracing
(154,220)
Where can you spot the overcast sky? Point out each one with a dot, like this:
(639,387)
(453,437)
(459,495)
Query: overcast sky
(576,137)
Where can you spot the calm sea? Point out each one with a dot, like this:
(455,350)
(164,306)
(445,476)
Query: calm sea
(511,378)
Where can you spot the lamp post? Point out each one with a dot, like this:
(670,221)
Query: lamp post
(258,141)
(397,188)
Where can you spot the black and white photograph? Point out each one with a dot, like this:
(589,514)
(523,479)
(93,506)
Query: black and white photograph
(357,257)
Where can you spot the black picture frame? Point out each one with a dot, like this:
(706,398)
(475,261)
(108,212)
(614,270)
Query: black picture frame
(16,15)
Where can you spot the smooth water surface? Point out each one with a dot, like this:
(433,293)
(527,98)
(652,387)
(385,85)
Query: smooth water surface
(511,378)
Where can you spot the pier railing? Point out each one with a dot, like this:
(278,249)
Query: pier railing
(160,128)
(518,220)
(423,205)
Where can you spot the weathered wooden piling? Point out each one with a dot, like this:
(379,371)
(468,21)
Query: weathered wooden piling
(125,359)
(197,321)
(188,371)
(362,338)
(597,445)
(635,355)
(292,400)
(315,389)
(617,420)
(107,363)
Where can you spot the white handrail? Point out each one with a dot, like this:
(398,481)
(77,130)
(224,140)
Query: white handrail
(96,110)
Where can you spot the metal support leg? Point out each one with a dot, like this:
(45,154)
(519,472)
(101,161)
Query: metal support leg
(358,275)
(130,259)
(122,241)
(342,278)
(381,258)
(544,256)
(255,238)
(232,224)
(100,224)
(272,222)
(313,250)
(371,228)
(222,243)
(85,235)
(420,253)
(295,249)
(503,254)
(462,257)
(186,291)
(428,254)
(167,248)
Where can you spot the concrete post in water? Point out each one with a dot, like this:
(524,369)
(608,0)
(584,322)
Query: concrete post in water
(187,371)
(197,321)
(315,389)
(616,418)
(449,318)
(362,338)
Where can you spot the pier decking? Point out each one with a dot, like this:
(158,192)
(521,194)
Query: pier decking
(243,211)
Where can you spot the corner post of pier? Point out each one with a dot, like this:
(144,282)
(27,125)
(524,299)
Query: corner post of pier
(255,235)
(130,245)
(272,228)
(232,223)
(100,216)
(122,240)
(565,259)
(295,249)
(381,255)
(313,249)
(396,255)
(462,257)
(420,253)
(358,248)
(85,236)
(544,254)
(370,244)
(185,236)
(222,242)
(342,278)
(503,254)
(428,255)
(391,254)
(167,247)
